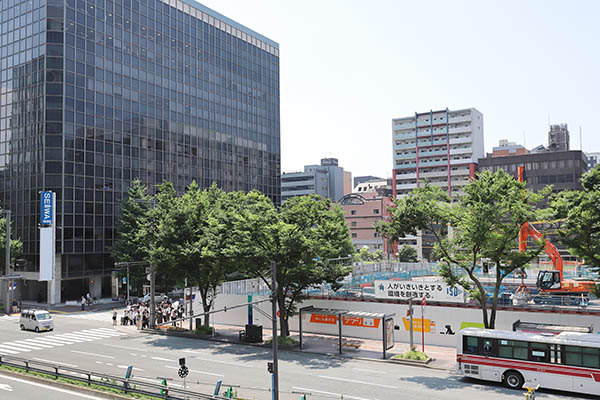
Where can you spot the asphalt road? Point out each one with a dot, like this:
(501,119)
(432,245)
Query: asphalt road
(88,341)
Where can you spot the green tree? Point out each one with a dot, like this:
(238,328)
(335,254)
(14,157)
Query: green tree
(196,238)
(128,245)
(485,224)
(301,238)
(581,230)
(16,245)
(407,253)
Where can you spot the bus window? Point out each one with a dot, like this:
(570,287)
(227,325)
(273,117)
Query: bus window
(470,345)
(591,357)
(489,350)
(513,349)
(539,352)
(573,355)
(555,354)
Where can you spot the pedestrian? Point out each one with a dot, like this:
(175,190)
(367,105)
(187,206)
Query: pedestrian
(15,306)
(82,303)
(114,317)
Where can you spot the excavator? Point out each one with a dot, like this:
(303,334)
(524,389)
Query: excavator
(552,283)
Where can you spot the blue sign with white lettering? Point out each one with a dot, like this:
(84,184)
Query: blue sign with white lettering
(46,208)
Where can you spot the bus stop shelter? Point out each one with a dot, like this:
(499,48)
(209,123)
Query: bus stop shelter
(343,318)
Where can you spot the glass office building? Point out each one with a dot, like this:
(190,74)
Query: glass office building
(95,93)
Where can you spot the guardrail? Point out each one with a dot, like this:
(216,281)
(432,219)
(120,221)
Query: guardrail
(109,381)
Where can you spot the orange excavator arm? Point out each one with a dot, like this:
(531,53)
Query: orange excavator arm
(528,230)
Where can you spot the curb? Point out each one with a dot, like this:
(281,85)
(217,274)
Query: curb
(66,386)
(223,340)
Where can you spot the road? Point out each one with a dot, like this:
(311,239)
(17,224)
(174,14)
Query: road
(88,341)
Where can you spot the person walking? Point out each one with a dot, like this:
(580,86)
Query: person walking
(82,303)
(114,317)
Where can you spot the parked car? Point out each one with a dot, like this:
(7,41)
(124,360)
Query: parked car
(36,320)
(158,297)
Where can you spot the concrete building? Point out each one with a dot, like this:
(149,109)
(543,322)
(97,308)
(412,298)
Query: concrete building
(558,138)
(360,179)
(347,182)
(593,159)
(383,187)
(562,169)
(95,94)
(362,211)
(506,148)
(442,147)
(325,179)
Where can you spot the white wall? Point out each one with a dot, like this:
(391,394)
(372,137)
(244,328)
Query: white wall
(441,316)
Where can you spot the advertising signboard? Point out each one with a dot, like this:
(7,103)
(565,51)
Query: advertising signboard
(389,333)
(46,208)
(428,290)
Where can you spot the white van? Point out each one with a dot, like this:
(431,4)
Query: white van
(36,320)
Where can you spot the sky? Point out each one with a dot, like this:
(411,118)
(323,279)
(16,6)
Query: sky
(347,68)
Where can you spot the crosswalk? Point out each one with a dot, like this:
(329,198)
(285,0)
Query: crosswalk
(101,316)
(44,341)
(9,317)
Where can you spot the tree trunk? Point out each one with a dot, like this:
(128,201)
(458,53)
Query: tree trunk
(206,306)
(482,298)
(495,298)
(283,315)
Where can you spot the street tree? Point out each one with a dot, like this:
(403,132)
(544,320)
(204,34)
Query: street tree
(128,245)
(302,237)
(581,230)
(483,223)
(16,245)
(407,253)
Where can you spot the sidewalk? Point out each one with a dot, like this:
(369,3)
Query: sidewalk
(69,307)
(369,349)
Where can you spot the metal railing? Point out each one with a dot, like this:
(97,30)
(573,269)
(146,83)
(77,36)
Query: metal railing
(105,380)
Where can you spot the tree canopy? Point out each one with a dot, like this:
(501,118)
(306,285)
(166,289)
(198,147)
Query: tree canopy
(483,223)
(581,230)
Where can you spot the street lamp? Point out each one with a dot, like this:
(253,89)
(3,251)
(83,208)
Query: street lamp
(8,214)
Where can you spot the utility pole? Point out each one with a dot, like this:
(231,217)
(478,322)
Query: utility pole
(275,375)
(127,302)
(7,253)
(152,300)
(410,311)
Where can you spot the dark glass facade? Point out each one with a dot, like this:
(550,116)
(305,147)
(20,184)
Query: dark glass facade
(95,93)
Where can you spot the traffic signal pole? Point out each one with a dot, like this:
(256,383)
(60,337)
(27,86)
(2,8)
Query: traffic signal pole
(275,376)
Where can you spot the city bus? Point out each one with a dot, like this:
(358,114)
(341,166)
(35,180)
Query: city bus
(568,361)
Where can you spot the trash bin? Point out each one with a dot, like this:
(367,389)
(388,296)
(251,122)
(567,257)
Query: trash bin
(254,333)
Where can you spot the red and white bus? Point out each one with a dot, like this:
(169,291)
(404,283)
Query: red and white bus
(567,361)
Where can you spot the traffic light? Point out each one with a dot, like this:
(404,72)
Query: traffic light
(270,367)
(486,268)
(182,362)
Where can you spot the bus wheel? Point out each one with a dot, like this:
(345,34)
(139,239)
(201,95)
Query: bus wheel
(22,327)
(513,380)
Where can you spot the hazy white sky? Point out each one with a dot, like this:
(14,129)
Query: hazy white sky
(349,67)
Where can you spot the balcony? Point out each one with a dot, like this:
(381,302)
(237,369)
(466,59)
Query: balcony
(459,119)
(442,152)
(462,140)
(404,146)
(406,186)
(467,150)
(406,166)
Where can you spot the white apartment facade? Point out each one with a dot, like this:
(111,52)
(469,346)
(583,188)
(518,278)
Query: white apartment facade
(440,147)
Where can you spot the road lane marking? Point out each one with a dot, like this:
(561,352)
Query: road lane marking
(210,359)
(354,381)
(344,396)
(7,351)
(20,347)
(127,366)
(44,341)
(49,387)
(369,370)
(91,354)
(162,359)
(73,338)
(111,331)
(197,372)
(56,362)
(124,347)
(27,343)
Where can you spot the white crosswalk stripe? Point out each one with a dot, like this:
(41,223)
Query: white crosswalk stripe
(9,317)
(105,316)
(45,341)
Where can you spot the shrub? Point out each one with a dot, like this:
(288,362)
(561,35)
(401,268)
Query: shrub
(412,355)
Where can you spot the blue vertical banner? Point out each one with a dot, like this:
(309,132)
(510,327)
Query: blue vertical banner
(250,316)
(46,208)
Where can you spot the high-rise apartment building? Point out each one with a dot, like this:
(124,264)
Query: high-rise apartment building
(96,93)
(442,147)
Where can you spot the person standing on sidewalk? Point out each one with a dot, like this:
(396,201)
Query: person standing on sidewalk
(114,317)
(82,303)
